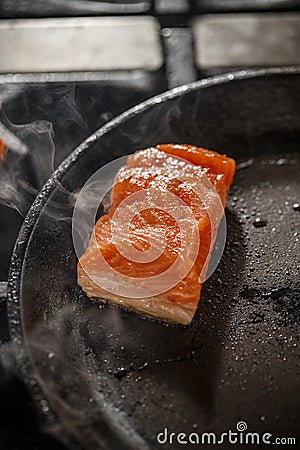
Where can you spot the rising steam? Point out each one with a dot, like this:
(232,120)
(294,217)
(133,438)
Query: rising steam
(28,161)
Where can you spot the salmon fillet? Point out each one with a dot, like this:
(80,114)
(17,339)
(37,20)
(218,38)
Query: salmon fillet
(2,151)
(150,252)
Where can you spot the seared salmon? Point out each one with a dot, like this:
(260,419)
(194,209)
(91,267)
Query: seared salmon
(150,252)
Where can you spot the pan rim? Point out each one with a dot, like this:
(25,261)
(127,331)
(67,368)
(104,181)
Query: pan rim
(14,310)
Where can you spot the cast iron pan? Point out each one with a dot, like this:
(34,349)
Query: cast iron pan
(105,378)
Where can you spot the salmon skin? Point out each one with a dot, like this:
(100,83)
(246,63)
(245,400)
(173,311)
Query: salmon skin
(150,252)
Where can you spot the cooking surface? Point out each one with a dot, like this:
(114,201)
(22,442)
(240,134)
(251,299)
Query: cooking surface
(77,103)
(236,362)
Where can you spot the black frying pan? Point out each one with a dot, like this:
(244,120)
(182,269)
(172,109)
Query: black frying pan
(107,378)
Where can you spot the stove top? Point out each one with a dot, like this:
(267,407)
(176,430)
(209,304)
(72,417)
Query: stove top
(157,45)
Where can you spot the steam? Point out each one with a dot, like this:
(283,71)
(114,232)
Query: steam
(30,155)
(9,91)
(12,141)
(28,162)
